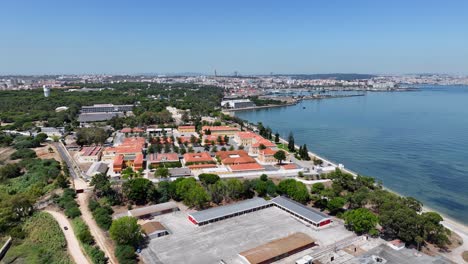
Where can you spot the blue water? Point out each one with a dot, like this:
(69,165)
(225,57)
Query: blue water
(415,142)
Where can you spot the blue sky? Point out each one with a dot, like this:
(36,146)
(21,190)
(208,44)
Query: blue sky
(314,36)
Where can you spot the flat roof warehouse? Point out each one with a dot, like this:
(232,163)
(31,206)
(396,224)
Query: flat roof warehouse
(300,211)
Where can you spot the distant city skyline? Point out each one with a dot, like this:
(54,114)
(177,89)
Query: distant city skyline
(302,37)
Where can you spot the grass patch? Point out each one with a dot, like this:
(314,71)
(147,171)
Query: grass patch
(283,146)
(465,256)
(44,242)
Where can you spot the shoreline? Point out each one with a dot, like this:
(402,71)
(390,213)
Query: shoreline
(448,222)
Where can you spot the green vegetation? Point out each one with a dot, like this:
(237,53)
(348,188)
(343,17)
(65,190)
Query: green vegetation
(43,242)
(102,214)
(126,232)
(280,155)
(208,179)
(295,190)
(83,234)
(360,220)
(400,217)
(291,146)
(23,154)
(91,135)
(68,203)
(139,191)
(10,171)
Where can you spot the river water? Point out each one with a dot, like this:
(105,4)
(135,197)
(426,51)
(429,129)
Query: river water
(416,143)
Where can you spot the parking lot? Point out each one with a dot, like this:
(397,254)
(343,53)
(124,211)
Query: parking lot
(189,243)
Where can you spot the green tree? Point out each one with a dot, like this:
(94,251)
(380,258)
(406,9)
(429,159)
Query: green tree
(208,178)
(125,254)
(360,220)
(217,191)
(336,204)
(162,172)
(317,187)
(9,171)
(280,155)
(277,138)
(291,146)
(126,231)
(138,190)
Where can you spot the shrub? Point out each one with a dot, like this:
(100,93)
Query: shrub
(72,212)
(82,231)
(102,217)
(23,154)
(10,171)
(125,254)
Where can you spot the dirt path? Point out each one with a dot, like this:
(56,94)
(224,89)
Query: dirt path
(99,235)
(72,242)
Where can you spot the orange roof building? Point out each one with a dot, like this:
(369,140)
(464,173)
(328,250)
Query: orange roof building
(221,130)
(186,129)
(118,163)
(234,157)
(246,167)
(130,147)
(156,158)
(267,155)
(198,158)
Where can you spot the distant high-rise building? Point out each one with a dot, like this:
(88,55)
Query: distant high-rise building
(46,90)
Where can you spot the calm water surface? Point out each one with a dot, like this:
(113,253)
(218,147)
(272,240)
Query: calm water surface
(415,142)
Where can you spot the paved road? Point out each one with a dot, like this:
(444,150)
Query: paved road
(72,242)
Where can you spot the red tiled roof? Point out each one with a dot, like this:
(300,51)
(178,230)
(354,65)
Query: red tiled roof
(268,152)
(202,166)
(138,159)
(265,142)
(163,157)
(91,151)
(247,134)
(290,166)
(118,160)
(132,130)
(234,157)
(246,167)
(197,157)
(220,128)
(186,127)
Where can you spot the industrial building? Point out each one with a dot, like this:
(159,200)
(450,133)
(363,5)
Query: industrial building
(223,212)
(154,229)
(278,249)
(150,211)
(106,108)
(237,103)
(305,213)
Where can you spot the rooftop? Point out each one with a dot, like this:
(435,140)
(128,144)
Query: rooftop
(235,157)
(246,167)
(277,248)
(300,209)
(163,157)
(220,211)
(152,227)
(153,209)
(197,157)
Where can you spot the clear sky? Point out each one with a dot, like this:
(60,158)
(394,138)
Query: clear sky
(310,36)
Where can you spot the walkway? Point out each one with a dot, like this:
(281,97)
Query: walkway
(72,242)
